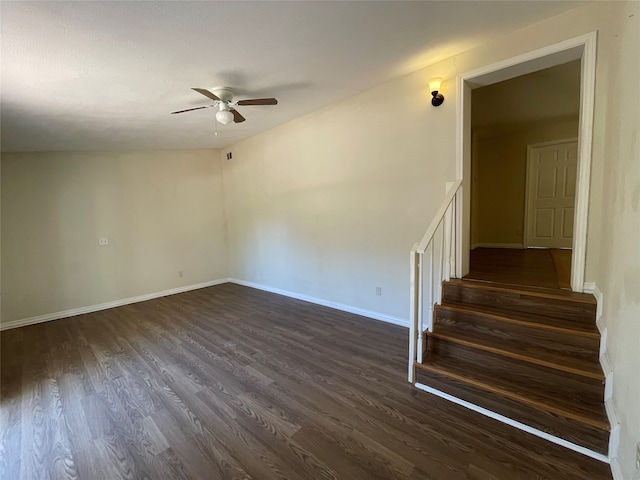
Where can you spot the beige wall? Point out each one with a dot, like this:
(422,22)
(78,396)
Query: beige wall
(162,212)
(498,164)
(328,205)
(619,253)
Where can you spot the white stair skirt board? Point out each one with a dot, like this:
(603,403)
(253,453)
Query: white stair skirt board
(326,303)
(103,306)
(616,469)
(605,363)
(516,424)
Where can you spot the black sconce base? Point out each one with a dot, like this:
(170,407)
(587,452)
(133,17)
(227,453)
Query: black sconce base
(437,100)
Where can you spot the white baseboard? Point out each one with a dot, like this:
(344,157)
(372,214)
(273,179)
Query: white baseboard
(141,298)
(605,363)
(103,306)
(592,288)
(614,434)
(497,245)
(326,303)
(616,469)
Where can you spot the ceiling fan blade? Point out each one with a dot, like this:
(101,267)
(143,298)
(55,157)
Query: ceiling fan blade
(237,118)
(188,110)
(206,93)
(258,101)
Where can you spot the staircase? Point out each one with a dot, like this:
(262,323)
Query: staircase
(529,354)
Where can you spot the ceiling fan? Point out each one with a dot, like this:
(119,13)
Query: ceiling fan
(223,100)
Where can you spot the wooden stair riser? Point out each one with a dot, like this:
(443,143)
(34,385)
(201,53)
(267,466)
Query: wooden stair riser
(595,439)
(532,383)
(563,308)
(528,339)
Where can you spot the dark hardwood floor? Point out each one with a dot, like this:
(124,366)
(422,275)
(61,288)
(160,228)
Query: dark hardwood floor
(539,267)
(228,382)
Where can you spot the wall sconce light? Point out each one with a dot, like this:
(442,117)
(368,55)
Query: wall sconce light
(434,88)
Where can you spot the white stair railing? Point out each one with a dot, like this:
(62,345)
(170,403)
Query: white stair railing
(439,244)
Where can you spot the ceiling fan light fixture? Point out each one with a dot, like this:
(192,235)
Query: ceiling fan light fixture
(224,117)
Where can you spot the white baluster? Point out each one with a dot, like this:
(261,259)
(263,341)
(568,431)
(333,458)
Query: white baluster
(447,256)
(441,261)
(431,289)
(454,250)
(447,243)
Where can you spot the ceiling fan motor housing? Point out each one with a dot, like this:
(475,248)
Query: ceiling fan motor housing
(223,93)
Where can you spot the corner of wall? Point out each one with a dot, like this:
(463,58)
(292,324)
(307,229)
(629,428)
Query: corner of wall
(224,158)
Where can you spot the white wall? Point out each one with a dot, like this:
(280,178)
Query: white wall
(162,212)
(329,205)
(619,267)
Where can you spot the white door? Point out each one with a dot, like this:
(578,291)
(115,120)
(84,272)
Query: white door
(551,192)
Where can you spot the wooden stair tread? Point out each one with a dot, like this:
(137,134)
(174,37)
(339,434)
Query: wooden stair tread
(525,289)
(521,350)
(534,386)
(525,319)
(595,439)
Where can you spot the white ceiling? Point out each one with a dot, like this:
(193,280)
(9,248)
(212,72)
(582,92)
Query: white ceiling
(543,95)
(105,75)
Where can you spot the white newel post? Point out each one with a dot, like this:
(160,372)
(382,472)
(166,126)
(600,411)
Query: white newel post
(447,246)
(420,305)
(413,310)
(431,289)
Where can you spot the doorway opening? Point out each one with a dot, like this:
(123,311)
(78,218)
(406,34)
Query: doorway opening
(523,169)
(524,138)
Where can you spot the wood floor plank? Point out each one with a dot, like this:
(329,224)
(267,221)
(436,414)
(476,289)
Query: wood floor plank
(330,451)
(229,382)
(544,267)
(11,368)
(78,426)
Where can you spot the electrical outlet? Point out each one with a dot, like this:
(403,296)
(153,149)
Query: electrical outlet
(102,241)
(379,291)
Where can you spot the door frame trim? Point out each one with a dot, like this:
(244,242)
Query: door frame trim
(582,47)
(525,243)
